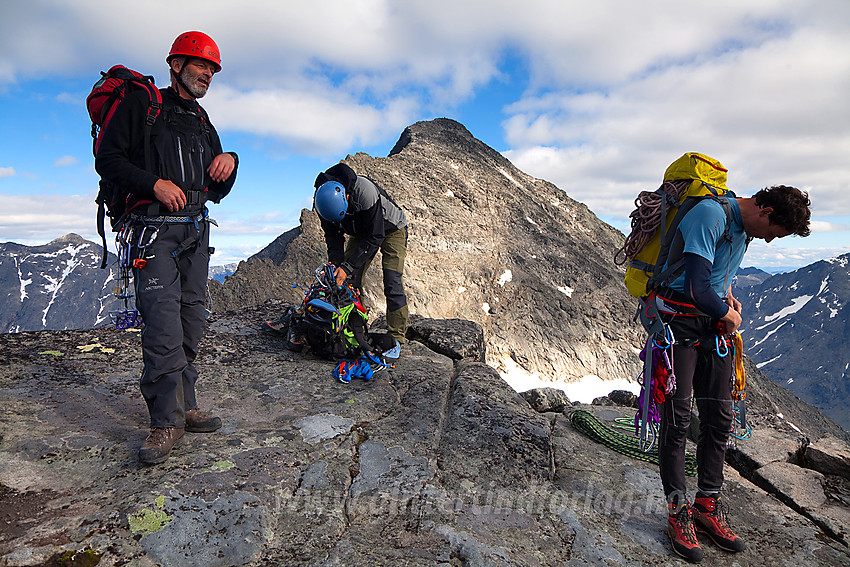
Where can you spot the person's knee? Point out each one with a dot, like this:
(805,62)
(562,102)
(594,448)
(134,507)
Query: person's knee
(394,290)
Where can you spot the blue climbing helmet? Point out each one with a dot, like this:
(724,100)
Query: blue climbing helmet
(330,202)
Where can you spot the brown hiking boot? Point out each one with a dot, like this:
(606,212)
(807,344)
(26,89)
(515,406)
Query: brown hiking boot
(158,444)
(680,528)
(200,422)
(710,517)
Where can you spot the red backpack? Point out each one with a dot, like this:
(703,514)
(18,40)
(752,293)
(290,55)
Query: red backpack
(106,94)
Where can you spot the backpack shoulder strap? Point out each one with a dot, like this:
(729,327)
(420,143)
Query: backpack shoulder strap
(154,109)
(675,266)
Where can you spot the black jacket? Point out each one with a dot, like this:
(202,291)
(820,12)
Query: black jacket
(371,215)
(182,129)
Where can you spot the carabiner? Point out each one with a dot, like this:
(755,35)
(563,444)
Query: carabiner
(145,240)
(718,340)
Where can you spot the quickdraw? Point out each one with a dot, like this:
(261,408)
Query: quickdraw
(125,318)
(719,342)
(140,236)
(657,379)
(740,427)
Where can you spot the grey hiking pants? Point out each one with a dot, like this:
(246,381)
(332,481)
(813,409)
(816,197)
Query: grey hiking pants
(171,297)
(700,371)
(393,252)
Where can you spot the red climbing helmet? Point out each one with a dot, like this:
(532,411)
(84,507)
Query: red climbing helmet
(195,44)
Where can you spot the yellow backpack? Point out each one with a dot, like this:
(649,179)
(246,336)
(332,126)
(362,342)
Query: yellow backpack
(647,247)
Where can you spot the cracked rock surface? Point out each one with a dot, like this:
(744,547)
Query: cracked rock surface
(435,462)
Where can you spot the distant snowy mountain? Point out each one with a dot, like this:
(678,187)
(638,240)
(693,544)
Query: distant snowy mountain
(218,273)
(796,327)
(749,276)
(55,286)
(59,285)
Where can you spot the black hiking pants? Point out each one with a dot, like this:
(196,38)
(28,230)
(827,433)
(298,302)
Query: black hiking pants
(171,297)
(393,253)
(700,371)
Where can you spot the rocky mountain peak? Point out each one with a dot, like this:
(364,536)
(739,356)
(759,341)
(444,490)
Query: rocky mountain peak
(487,243)
(70,238)
(441,135)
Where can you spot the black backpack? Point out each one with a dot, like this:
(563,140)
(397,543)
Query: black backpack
(106,94)
(332,321)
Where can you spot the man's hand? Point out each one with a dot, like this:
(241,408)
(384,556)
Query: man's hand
(732,302)
(731,321)
(340,274)
(169,195)
(221,167)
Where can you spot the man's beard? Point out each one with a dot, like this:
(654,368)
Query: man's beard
(192,84)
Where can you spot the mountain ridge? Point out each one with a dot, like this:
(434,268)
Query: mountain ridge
(434,462)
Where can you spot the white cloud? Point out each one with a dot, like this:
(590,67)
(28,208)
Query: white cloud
(823,226)
(65,161)
(309,122)
(774,112)
(7,172)
(69,98)
(41,218)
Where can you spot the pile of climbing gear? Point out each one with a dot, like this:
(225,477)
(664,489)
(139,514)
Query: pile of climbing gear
(590,425)
(332,321)
(363,367)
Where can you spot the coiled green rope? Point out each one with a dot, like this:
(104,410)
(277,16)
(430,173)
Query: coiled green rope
(590,425)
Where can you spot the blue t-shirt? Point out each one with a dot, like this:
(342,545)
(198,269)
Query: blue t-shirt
(702,228)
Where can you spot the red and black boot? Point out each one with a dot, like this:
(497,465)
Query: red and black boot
(710,517)
(680,528)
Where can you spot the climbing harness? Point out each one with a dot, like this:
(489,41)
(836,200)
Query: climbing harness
(132,240)
(590,425)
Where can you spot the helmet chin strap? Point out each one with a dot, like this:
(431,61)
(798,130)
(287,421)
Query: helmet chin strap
(179,80)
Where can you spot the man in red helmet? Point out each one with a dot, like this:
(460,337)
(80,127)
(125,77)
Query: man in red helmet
(169,228)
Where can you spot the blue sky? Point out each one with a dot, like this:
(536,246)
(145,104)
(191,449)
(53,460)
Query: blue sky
(596,97)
